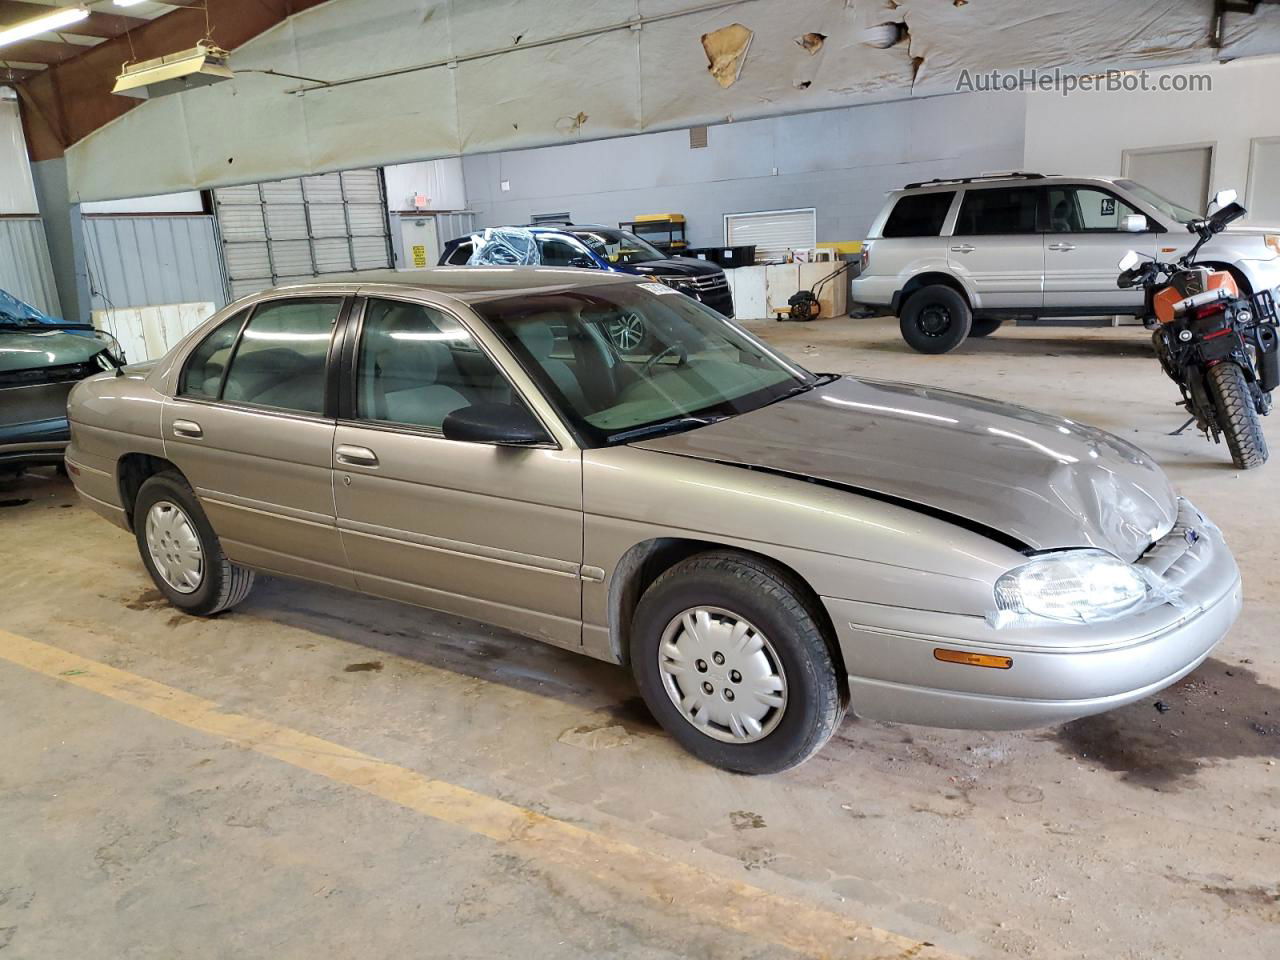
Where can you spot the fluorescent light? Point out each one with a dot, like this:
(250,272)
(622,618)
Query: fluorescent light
(128,3)
(50,21)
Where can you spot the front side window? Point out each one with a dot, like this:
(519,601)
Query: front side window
(280,361)
(693,367)
(1086,210)
(1001,210)
(619,246)
(202,376)
(417,365)
(918,215)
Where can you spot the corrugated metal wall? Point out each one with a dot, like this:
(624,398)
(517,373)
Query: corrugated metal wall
(148,261)
(25,269)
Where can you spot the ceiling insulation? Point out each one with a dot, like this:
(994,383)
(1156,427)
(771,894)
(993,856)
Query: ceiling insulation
(505,74)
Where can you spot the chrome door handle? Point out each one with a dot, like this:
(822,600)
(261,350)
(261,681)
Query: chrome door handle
(187,428)
(355,456)
(1062,246)
(963,248)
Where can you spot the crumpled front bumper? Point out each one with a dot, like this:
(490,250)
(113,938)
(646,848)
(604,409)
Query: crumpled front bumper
(1059,672)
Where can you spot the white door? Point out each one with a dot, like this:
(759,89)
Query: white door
(1182,174)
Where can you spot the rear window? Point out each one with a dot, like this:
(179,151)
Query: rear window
(1005,210)
(918,215)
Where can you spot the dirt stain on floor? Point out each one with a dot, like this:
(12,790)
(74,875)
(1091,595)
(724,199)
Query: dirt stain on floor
(633,714)
(147,600)
(370,666)
(1221,711)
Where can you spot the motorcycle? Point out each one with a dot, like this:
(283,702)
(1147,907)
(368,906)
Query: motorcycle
(1218,345)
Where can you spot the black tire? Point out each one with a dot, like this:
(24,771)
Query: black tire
(756,591)
(1237,415)
(935,320)
(223,584)
(984,326)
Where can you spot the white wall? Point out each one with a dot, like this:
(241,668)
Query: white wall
(189,201)
(841,162)
(1087,133)
(439,180)
(17,193)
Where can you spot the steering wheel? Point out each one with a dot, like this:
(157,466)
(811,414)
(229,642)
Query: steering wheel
(665,352)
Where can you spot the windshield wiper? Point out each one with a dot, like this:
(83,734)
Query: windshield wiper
(666,426)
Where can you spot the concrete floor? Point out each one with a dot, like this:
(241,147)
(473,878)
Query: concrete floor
(320,774)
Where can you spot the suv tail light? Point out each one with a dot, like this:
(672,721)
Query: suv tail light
(865,261)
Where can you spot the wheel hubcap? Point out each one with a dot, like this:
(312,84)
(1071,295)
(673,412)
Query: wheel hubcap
(935,320)
(722,674)
(174,546)
(627,331)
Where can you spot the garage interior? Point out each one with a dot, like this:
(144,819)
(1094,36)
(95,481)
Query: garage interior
(319,771)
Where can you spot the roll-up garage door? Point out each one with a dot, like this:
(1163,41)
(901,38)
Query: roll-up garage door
(295,230)
(772,232)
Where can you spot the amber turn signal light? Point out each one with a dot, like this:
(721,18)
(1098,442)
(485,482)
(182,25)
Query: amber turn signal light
(973,659)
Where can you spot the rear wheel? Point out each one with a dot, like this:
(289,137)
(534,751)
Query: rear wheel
(935,320)
(1237,415)
(181,551)
(984,326)
(731,659)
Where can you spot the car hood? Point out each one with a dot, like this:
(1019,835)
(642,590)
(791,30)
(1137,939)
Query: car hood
(674,267)
(37,349)
(1043,481)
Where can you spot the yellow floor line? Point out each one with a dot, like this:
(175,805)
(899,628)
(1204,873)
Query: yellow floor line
(675,887)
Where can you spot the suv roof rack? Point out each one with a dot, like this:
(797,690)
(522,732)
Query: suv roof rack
(1011,175)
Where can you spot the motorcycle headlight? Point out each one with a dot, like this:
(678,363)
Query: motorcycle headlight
(1073,586)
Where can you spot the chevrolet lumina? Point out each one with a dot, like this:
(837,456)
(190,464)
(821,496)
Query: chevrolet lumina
(763,546)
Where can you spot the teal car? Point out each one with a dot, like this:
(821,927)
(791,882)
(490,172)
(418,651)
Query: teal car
(41,359)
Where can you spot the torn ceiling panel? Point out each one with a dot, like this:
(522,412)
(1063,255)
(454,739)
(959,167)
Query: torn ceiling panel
(515,73)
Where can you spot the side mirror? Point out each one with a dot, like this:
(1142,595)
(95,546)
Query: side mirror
(1224,198)
(503,424)
(582,263)
(1130,260)
(1134,223)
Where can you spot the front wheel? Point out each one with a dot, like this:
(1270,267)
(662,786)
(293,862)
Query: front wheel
(181,551)
(731,658)
(935,320)
(1237,415)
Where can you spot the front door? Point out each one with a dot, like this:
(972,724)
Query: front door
(995,248)
(1083,246)
(484,531)
(249,432)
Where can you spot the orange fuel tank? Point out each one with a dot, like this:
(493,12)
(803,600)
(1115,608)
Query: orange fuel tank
(1169,297)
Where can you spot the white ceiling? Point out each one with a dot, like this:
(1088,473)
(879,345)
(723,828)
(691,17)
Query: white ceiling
(611,82)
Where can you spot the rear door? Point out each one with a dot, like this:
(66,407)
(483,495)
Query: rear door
(484,531)
(249,429)
(1083,247)
(996,248)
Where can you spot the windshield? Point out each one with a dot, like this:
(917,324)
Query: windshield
(1167,207)
(618,246)
(631,360)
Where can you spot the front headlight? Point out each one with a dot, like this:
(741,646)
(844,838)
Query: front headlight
(1074,586)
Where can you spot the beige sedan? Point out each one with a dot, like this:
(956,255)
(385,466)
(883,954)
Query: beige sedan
(764,546)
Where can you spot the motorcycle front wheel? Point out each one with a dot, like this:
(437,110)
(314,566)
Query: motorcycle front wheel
(1237,415)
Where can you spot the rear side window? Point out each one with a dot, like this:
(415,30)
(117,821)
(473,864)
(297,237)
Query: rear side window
(918,215)
(202,375)
(1004,210)
(281,358)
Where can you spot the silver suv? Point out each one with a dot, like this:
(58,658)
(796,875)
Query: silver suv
(954,258)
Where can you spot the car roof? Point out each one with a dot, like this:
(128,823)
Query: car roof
(1002,180)
(468,284)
